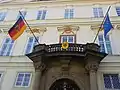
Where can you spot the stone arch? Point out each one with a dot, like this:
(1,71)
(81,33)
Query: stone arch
(64,84)
(79,83)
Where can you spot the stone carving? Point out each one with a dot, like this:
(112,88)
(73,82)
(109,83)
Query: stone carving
(37,30)
(68,29)
(65,67)
(118,27)
(39,66)
(92,66)
(96,27)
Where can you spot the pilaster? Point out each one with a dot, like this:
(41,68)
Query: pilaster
(92,69)
(39,67)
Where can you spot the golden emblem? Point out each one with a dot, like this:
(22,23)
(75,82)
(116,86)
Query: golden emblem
(65,45)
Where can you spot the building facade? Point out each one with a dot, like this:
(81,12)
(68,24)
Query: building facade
(82,66)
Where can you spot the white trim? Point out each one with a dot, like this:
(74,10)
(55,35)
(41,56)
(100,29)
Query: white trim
(23,79)
(11,51)
(32,42)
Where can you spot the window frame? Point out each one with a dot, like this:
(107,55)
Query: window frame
(3,15)
(105,42)
(112,88)
(69,13)
(98,13)
(118,11)
(41,16)
(60,38)
(11,50)
(23,15)
(30,79)
(27,41)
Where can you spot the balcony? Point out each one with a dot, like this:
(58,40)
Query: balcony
(74,51)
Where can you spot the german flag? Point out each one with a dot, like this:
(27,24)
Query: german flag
(17,29)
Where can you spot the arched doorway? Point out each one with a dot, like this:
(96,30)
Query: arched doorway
(64,84)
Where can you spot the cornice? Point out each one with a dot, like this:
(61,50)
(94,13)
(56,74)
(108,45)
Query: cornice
(60,22)
(59,2)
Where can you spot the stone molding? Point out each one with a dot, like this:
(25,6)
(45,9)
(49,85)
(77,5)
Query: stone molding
(118,27)
(68,29)
(37,30)
(39,66)
(65,67)
(4,30)
(79,83)
(92,66)
(96,27)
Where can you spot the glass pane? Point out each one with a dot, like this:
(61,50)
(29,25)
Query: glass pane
(7,40)
(25,83)
(64,38)
(2,15)
(43,15)
(9,49)
(107,38)
(70,39)
(18,83)
(66,15)
(100,37)
(95,12)
(19,79)
(118,11)
(30,39)
(26,79)
(27,75)
(20,75)
(39,15)
(107,81)
(115,80)
(28,48)
(100,12)
(108,45)
(71,13)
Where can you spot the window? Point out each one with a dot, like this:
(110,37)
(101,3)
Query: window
(105,44)
(23,14)
(67,38)
(6,47)
(23,80)
(31,43)
(69,13)
(111,81)
(41,15)
(118,11)
(2,15)
(98,12)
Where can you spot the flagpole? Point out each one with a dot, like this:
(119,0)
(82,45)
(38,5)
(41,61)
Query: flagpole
(101,24)
(29,27)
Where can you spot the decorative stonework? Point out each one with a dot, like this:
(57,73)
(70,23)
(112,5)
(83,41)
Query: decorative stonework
(96,27)
(92,66)
(39,66)
(68,29)
(38,30)
(4,30)
(65,67)
(0,30)
(118,27)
